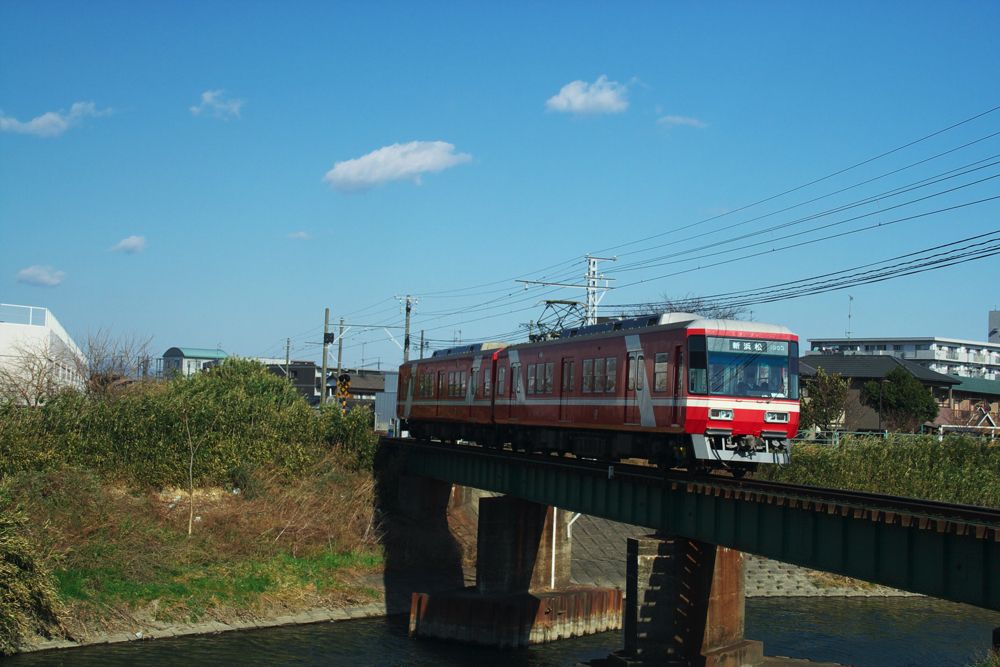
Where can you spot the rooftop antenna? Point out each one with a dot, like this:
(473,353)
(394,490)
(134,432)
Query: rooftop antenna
(850,302)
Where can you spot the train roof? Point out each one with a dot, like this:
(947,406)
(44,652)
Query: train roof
(471,348)
(662,322)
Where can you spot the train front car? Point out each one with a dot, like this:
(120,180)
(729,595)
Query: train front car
(742,404)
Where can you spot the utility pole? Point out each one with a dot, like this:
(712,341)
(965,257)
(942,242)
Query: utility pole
(592,287)
(340,346)
(409,300)
(288,356)
(326,343)
(421,343)
(595,292)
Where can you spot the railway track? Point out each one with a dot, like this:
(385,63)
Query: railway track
(929,514)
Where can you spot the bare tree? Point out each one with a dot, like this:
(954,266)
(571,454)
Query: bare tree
(701,306)
(33,372)
(112,362)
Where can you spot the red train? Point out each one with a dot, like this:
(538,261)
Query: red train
(674,389)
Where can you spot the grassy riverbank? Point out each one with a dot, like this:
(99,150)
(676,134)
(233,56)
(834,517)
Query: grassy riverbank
(217,497)
(122,559)
(957,469)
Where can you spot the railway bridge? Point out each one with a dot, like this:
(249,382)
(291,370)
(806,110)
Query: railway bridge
(686,578)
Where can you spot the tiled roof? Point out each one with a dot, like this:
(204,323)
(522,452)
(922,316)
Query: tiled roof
(870,367)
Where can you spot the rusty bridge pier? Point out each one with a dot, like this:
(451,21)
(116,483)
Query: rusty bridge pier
(523,593)
(684,605)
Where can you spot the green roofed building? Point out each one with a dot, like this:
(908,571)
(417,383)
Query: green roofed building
(974,402)
(189,360)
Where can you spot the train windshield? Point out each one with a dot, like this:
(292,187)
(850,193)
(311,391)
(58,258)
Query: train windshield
(748,367)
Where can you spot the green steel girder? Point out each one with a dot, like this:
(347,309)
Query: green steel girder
(942,564)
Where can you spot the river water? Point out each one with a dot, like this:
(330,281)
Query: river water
(880,632)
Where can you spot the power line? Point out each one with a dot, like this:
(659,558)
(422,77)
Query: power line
(810,183)
(909,187)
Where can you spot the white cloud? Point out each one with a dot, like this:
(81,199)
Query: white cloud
(216,103)
(52,123)
(300,236)
(580,97)
(397,162)
(40,276)
(130,245)
(682,120)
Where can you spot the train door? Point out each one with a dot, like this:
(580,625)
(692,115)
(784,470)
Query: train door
(677,414)
(634,379)
(567,381)
(473,387)
(440,396)
(515,390)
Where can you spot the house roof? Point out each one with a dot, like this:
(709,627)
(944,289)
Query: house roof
(977,386)
(367,382)
(195,353)
(870,367)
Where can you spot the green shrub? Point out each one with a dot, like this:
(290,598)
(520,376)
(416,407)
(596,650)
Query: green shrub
(28,603)
(957,469)
(235,415)
(351,433)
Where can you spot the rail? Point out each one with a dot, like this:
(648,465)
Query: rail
(770,491)
(933,548)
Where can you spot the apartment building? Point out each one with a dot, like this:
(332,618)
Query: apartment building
(951,356)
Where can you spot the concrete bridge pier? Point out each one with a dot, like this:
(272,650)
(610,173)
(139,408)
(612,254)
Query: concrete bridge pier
(684,606)
(523,593)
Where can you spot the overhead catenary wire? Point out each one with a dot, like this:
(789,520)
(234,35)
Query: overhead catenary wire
(505,300)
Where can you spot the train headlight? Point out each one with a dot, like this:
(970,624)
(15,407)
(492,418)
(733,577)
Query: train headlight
(776,417)
(716,413)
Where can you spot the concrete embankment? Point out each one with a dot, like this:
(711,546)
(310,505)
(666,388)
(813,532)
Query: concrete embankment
(165,631)
(599,560)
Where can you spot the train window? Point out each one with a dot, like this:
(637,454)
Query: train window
(549,372)
(462,384)
(441,384)
(660,371)
(532,370)
(588,376)
(611,375)
(697,365)
(598,376)
(630,373)
(793,370)
(486,382)
(501,380)
(567,376)
(640,372)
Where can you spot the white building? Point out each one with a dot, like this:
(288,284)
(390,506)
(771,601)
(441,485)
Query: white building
(952,356)
(37,356)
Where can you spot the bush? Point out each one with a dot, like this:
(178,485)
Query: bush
(351,433)
(957,469)
(235,415)
(28,603)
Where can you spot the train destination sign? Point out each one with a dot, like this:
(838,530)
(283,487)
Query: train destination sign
(750,346)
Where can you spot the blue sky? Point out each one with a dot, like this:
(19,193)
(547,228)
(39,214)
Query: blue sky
(209,173)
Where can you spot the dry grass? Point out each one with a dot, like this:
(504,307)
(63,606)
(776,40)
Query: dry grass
(123,557)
